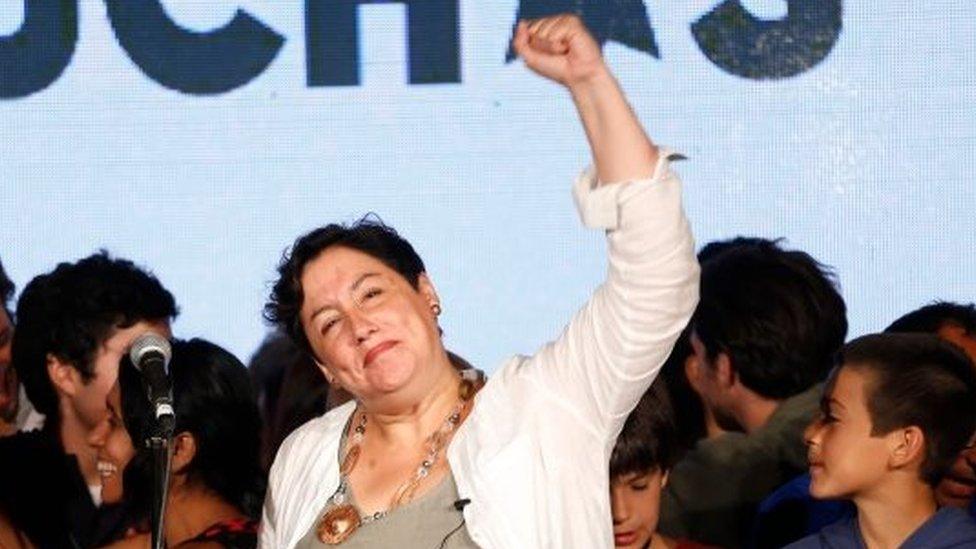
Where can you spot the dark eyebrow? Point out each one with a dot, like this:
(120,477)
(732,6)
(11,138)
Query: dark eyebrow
(827,402)
(355,285)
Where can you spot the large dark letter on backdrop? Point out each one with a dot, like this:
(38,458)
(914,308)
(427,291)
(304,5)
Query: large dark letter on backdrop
(332,39)
(193,62)
(743,45)
(34,56)
(622,21)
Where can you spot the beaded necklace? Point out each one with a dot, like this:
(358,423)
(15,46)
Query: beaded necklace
(342,519)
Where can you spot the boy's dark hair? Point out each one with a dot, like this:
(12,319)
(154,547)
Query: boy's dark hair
(6,289)
(649,439)
(214,401)
(72,310)
(367,235)
(935,316)
(918,380)
(777,314)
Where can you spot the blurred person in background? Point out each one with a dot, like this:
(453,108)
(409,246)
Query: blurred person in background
(763,338)
(16,411)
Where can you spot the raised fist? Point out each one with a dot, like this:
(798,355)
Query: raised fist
(559,48)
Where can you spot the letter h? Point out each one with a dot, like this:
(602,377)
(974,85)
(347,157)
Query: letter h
(332,41)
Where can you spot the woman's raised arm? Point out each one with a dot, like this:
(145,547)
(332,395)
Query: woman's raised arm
(560,48)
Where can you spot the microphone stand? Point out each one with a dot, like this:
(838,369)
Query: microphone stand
(162,451)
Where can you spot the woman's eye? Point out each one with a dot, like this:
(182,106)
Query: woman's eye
(371,293)
(639,487)
(328,324)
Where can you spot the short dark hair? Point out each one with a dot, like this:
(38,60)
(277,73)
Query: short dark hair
(649,439)
(935,316)
(72,310)
(6,288)
(368,235)
(691,420)
(776,313)
(918,380)
(214,401)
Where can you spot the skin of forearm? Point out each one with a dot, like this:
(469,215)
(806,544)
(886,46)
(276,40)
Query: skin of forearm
(621,149)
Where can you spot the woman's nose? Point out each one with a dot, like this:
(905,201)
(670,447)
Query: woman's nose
(618,507)
(362,326)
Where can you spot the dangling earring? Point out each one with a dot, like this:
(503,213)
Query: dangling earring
(436,308)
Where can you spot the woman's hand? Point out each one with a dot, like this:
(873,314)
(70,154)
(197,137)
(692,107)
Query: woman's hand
(559,48)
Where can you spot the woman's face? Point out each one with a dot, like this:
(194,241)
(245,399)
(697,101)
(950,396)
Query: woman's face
(635,503)
(372,331)
(114,446)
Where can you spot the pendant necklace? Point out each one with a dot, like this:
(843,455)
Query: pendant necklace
(342,519)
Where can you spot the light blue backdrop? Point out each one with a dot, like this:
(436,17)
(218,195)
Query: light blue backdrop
(866,161)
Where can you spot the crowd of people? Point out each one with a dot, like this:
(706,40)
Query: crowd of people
(355,426)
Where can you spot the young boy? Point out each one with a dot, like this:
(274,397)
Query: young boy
(645,451)
(896,411)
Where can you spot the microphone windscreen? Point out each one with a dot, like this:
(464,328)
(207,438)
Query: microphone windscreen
(147,343)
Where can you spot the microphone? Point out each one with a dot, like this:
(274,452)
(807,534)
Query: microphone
(460,504)
(150,354)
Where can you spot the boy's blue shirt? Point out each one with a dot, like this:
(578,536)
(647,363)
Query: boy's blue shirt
(949,528)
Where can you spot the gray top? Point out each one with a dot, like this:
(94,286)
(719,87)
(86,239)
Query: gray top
(426,523)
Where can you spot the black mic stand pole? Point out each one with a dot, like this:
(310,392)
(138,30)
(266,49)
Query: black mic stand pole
(161,445)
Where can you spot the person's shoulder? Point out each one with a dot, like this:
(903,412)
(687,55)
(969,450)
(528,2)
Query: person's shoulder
(724,450)
(35,455)
(10,536)
(26,444)
(842,534)
(948,528)
(813,541)
(794,413)
(836,536)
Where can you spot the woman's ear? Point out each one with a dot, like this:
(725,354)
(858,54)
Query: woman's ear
(184,450)
(426,289)
(329,378)
(907,446)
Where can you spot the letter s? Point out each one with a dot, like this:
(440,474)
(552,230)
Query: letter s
(740,44)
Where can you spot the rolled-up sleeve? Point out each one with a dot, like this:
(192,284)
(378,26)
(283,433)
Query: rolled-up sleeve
(615,345)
